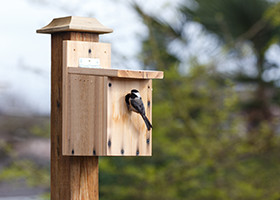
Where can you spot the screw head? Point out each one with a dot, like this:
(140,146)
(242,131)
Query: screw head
(109,143)
(148,140)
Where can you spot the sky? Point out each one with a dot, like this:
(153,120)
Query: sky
(25,55)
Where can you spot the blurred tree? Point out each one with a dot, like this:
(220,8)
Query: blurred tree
(20,168)
(239,23)
(201,149)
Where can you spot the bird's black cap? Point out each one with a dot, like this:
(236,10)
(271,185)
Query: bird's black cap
(134,91)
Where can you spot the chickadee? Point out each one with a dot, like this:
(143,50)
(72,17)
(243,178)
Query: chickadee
(134,103)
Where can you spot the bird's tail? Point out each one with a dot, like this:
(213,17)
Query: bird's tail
(147,122)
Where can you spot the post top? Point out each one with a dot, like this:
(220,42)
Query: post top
(74,23)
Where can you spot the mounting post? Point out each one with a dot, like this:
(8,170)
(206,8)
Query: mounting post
(72,177)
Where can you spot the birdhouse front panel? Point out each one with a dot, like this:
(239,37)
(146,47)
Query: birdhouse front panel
(83,110)
(126,131)
(84,115)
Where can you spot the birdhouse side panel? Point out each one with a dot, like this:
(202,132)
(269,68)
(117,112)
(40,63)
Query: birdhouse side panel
(127,134)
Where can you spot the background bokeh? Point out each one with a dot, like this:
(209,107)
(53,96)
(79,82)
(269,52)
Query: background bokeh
(215,114)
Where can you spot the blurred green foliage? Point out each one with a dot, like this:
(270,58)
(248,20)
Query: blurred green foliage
(27,170)
(201,149)
(251,24)
(41,130)
(20,168)
(206,143)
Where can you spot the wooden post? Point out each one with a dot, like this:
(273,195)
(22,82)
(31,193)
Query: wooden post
(72,177)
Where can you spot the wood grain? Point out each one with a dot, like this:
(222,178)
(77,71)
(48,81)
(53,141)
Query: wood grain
(76,50)
(126,131)
(84,131)
(65,170)
(84,175)
(119,73)
(85,116)
(95,117)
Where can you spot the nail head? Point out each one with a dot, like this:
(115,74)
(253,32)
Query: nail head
(109,143)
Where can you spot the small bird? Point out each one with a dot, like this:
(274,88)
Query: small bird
(134,103)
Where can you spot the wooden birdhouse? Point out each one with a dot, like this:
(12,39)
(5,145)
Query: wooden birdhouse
(96,120)
(89,116)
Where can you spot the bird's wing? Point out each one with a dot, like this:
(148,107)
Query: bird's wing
(138,105)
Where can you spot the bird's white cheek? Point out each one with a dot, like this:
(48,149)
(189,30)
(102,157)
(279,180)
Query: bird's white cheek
(138,95)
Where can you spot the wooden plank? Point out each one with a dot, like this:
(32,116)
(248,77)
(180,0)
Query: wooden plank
(103,146)
(77,50)
(140,74)
(126,132)
(147,148)
(85,116)
(135,74)
(84,131)
(63,179)
(84,175)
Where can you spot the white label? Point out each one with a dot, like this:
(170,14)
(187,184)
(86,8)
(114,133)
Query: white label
(89,62)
